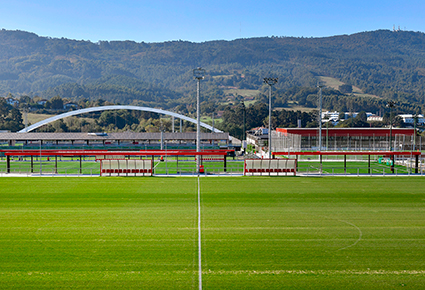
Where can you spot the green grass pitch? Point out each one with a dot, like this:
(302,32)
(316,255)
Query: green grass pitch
(257,233)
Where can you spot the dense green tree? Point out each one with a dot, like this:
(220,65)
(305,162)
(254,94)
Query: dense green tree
(345,89)
(56,103)
(60,126)
(10,117)
(118,119)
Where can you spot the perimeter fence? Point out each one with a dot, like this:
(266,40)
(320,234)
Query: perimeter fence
(294,142)
(357,165)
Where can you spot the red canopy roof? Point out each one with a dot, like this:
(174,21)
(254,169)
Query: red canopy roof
(339,132)
(17,152)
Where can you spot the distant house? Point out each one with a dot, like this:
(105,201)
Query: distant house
(258,137)
(12,101)
(70,105)
(332,117)
(354,114)
(374,118)
(259,131)
(42,102)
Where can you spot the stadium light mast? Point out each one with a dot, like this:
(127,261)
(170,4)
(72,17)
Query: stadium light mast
(270,82)
(390,105)
(320,116)
(415,121)
(244,120)
(213,127)
(199,74)
(41,170)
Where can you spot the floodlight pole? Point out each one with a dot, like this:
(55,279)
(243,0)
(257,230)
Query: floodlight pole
(320,116)
(415,121)
(40,158)
(199,74)
(270,82)
(244,121)
(390,105)
(213,127)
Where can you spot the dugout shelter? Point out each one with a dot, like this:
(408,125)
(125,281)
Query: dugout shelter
(117,163)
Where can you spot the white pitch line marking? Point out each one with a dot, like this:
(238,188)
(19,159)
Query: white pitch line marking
(358,240)
(199,235)
(348,223)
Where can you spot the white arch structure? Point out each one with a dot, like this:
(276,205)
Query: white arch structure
(106,108)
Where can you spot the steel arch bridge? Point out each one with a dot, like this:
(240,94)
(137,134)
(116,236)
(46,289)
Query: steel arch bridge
(106,108)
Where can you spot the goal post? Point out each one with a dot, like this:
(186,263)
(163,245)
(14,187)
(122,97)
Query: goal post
(272,167)
(126,167)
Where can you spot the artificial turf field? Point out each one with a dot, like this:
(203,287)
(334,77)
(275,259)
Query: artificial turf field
(257,233)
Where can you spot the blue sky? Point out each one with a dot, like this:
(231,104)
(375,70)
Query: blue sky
(198,21)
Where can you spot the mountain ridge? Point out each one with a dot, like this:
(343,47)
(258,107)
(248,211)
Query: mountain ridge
(382,62)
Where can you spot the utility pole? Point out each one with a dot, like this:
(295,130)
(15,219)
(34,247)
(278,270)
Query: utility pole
(213,130)
(26,116)
(199,74)
(270,82)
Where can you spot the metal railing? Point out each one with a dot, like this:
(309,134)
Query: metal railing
(234,168)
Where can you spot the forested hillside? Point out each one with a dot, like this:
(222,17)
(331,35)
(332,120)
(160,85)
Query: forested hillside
(386,64)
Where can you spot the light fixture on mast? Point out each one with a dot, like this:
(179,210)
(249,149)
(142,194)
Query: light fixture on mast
(271,82)
(199,74)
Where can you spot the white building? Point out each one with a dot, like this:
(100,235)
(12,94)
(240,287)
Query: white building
(331,116)
(374,118)
(408,119)
(334,116)
(42,102)
(70,105)
(354,114)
